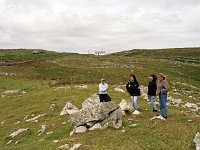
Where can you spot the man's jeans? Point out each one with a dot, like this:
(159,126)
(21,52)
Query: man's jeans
(163,104)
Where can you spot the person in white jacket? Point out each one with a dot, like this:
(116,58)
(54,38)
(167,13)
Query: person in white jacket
(103,91)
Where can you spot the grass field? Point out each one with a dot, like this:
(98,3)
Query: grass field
(50,78)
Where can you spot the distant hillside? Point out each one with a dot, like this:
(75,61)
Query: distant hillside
(191,55)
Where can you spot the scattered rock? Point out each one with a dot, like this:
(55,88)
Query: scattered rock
(35,118)
(24,92)
(7,74)
(125,107)
(119,90)
(69,109)
(123,131)
(64,123)
(81,86)
(197,141)
(52,107)
(17,122)
(133,125)
(136,112)
(66,146)
(9,142)
(42,130)
(158,117)
(130,121)
(50,132)
(75,146)
(97,115)
(14,134)
(26,117)
(56,141)
(80,129)
(10,92)
(175,102)
(3,122)
(191,106)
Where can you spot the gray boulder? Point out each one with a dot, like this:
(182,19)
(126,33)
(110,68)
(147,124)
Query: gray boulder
(197,141)
(125,106)
(96,115)
(69,109)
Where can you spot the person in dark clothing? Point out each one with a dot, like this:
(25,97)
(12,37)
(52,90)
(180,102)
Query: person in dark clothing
(134,91)
(152,87)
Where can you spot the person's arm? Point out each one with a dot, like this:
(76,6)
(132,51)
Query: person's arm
(102,88)
(166,87)
(127,86)
(137,84)
(154,86)
(106,85)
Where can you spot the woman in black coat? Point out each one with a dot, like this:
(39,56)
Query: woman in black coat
(152,87)
(133,89)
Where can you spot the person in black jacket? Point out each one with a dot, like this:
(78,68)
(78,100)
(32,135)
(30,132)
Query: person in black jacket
(152,87)
(134,91)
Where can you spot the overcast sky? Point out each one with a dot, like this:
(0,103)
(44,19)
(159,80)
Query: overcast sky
(89,25)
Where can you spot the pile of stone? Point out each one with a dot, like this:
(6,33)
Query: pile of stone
(94,115)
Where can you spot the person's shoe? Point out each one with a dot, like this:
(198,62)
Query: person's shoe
(154,110)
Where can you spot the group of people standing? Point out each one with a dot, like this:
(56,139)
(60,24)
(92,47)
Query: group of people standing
(161,89)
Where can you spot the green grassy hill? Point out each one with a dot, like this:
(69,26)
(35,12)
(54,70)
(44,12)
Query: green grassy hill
(47,78)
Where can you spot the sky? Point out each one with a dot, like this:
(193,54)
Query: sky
(84,26)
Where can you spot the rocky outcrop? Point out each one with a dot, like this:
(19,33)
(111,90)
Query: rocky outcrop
(15,134)
(197,141)
(125,106)
(96,115)
(119,90)
(69,109)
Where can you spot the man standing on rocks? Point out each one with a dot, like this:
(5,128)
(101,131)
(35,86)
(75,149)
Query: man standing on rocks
(163,88)
(103,91)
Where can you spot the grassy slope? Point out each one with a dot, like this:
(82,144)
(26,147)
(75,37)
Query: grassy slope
(38,78)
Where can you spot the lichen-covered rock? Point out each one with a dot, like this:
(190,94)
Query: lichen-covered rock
(125,106)
(69,109)
(197,141)
(95,115)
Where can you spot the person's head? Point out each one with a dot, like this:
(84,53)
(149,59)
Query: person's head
(162,76)
(103,80)
(153,78)
(132,77)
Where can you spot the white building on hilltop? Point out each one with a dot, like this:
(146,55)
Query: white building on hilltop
(101,53)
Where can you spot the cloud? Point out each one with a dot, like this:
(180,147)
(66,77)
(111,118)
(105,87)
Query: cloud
(82,25)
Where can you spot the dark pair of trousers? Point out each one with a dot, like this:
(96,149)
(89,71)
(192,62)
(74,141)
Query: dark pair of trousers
(104,98)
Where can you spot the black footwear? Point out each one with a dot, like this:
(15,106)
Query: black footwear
(165,117)
(155,110)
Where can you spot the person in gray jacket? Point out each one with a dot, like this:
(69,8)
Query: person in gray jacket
(162,89)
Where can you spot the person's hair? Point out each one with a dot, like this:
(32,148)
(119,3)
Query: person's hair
(162,77)
(154,77)
(134,77)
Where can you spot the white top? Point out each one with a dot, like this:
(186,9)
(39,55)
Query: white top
(103,88)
